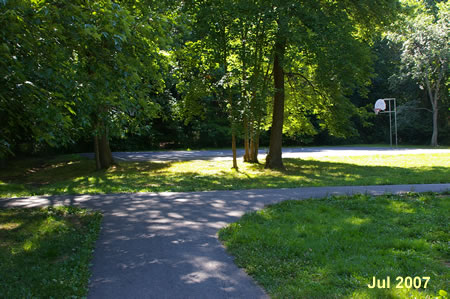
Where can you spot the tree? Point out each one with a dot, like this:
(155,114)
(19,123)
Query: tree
(230,53)
(118,64)
(80,67)
(332,38)
(35,75)
(426,52)
(323,44)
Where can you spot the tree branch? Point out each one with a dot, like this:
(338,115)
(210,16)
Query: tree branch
(307,81)
(411,108)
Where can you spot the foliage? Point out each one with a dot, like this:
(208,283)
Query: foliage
(426,52)
(34,74)
(46,252)
(153,74)
(333,247)
(413,123)
(117,63)
(84,67)
(72,175)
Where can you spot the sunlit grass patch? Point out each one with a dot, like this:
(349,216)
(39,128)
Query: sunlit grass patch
(75,175)
(333,247)
(46,252)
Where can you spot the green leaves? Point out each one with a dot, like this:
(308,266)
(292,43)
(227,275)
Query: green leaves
(64,67)
(425,52)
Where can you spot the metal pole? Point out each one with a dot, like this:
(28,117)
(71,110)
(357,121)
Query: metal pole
(390,123)
(395,120)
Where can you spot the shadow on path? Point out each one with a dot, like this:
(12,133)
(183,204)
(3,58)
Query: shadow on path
(164,245)
(296,152)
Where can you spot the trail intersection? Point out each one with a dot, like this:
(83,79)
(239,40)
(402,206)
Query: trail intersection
(164,245)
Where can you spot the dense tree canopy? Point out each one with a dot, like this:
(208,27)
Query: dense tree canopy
(145,75)
(78,68)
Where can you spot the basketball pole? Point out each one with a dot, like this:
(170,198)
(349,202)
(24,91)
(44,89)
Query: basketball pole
(390,124)
(395,121)
(390,119)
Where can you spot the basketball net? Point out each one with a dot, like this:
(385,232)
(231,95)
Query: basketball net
(377,110)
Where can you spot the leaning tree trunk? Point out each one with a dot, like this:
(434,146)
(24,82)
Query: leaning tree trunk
(273,159)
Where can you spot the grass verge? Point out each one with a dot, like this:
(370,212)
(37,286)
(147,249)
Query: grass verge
(45,252)
(333,247)
(75,175)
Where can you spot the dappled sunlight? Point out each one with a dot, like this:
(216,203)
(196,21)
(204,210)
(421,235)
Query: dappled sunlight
(401,207)
(340,244)
(176,233)
(217,175)
(173,233)
(10,225)
(392,293)
(207,269)
(49,248)
(30,245)
(356,220)
(175,215)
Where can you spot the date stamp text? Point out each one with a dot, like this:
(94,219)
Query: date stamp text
(400,282)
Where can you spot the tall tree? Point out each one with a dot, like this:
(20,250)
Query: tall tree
(273,159)
(88,66)
(332,36)
(117,66)
(215,55)
(426,52)
(238,39)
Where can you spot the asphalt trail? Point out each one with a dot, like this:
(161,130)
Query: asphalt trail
(218,155)
(164,245)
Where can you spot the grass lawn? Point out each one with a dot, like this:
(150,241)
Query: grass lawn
(75,175)
(46,252)
(332,247)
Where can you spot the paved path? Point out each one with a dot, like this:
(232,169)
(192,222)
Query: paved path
(164,245)
(161,156)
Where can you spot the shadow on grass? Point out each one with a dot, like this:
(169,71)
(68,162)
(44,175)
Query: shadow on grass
(79,176)
(45,253)
(141,230)
(333,247)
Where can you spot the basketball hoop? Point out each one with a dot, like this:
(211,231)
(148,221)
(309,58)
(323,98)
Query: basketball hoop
(380,105)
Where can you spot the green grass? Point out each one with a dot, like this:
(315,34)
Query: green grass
(74,175)
(46,252)
(332,247)
(399,146)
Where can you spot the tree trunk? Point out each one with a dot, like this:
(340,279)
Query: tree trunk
(103,154)
(251,157)
(254,145)
(434,104)
(273,159)
(98,166)
(233,147)
(106,159)
(434,137)
(246,141)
